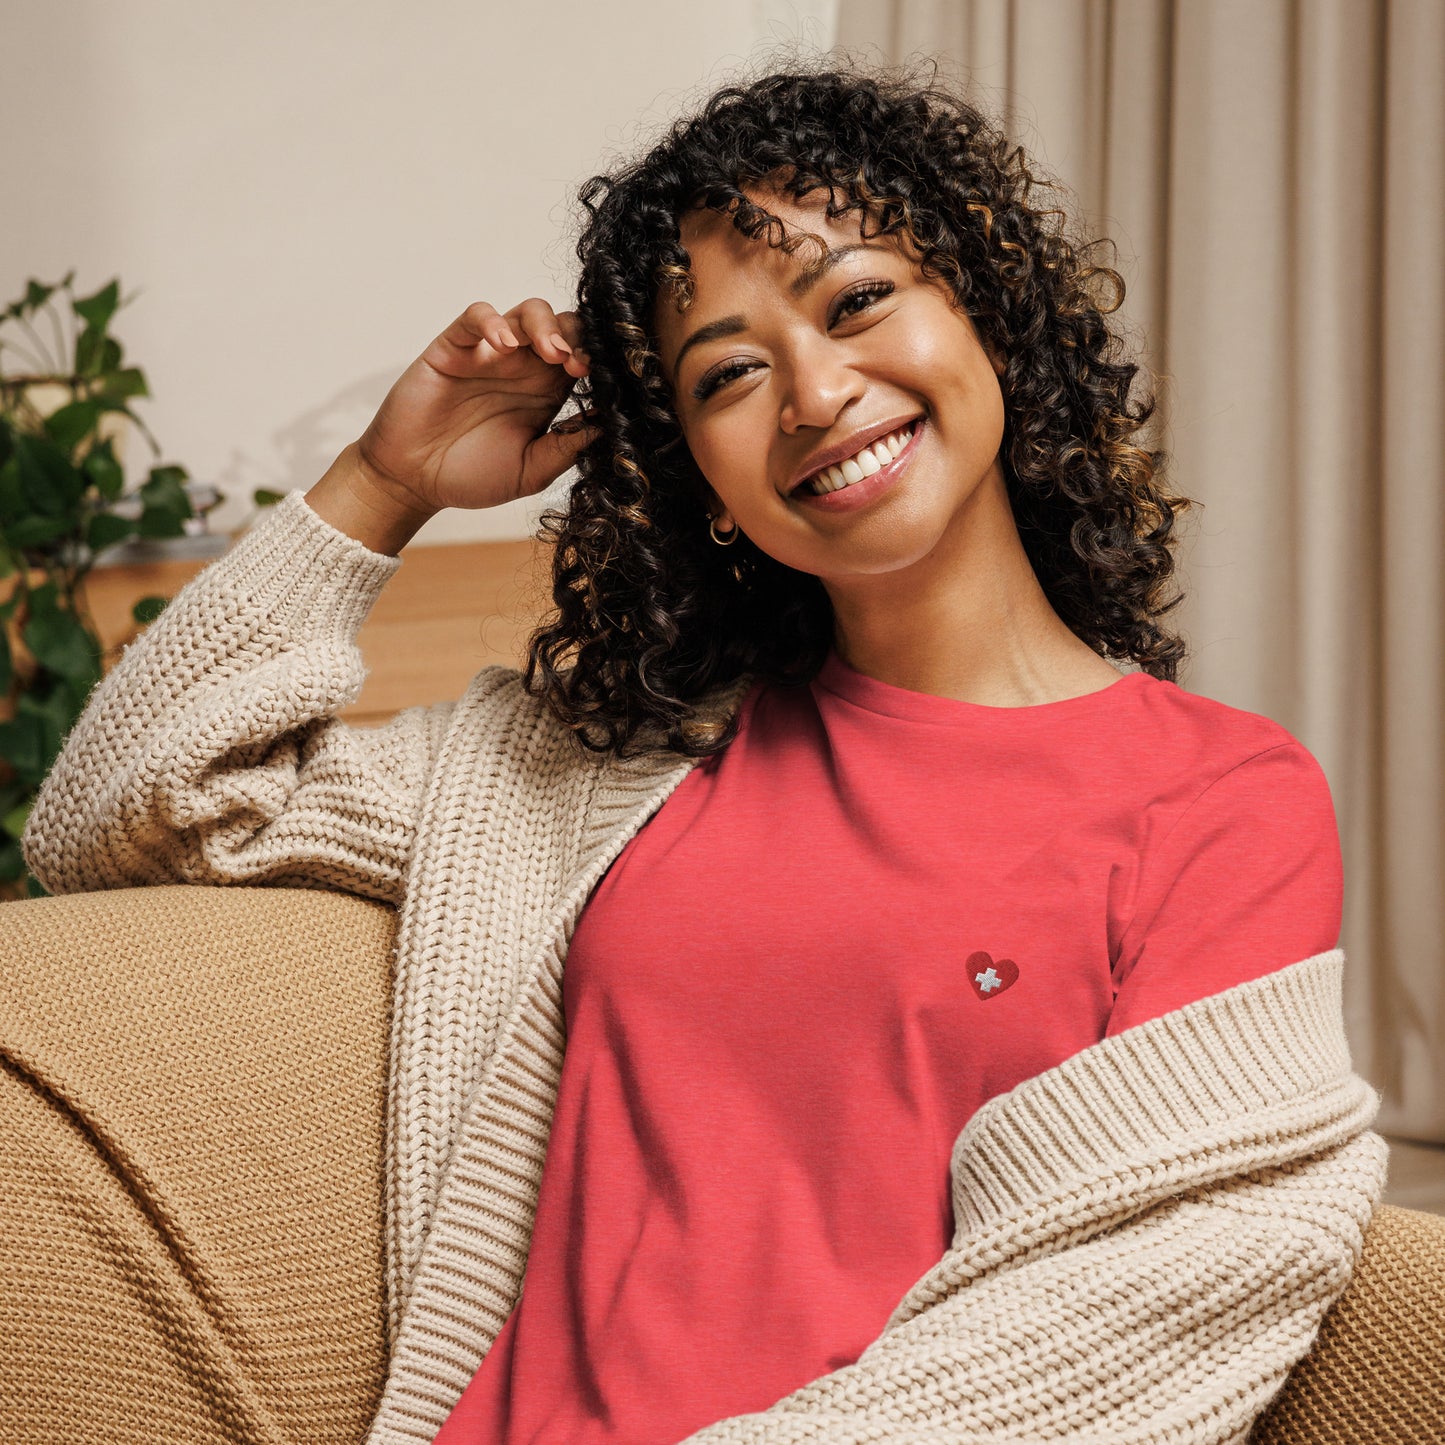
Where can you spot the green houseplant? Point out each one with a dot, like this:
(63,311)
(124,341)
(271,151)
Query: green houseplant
(60,483)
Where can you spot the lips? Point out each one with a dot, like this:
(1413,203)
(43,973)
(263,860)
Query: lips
(864,493)
(848,447)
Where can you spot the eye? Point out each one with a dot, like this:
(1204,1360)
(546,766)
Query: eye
(718,377)
(867,293)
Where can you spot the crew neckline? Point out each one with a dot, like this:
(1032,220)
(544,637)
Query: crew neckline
(837,677)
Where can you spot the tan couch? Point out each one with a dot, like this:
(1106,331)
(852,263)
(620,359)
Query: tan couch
(191,1126)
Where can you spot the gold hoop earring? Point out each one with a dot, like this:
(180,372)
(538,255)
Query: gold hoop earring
(727,541)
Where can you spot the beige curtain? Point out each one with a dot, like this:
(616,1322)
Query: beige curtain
(1273,172)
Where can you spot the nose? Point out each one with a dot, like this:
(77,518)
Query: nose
(819,382)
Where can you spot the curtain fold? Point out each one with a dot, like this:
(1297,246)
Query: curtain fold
(1273,175)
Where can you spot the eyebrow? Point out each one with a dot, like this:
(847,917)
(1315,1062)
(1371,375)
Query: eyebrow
(731,325)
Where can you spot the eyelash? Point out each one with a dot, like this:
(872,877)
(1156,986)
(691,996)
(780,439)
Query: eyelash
(726,372)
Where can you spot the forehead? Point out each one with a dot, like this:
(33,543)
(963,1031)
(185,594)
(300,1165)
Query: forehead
(718,250)
(726,265)
(706,234)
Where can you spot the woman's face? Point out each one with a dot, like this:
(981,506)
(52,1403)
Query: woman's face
(768,372)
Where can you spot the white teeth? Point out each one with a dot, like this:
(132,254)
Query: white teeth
(872,458)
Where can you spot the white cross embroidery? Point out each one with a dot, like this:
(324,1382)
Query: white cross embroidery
(987,981)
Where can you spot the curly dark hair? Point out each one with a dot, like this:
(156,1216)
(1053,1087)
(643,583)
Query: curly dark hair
(650,612)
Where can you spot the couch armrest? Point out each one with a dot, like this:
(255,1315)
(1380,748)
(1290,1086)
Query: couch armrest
(192,1112)
(1376,1371)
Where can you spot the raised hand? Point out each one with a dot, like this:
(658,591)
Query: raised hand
(469,422)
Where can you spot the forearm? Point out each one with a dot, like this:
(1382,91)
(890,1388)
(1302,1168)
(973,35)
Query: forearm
(1149,1236)
(355,501)
(211,752)
(1181,1325)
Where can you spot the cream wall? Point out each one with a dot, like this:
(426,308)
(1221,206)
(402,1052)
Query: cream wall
(302,195)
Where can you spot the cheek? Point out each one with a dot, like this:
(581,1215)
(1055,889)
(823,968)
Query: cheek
(727,453)
(958,375)
(949,355)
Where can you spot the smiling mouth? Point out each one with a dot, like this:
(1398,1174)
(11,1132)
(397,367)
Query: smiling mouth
(866,463)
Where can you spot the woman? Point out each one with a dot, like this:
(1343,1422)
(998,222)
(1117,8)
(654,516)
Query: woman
(874,878)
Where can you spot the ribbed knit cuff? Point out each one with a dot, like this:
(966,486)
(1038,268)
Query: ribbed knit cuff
(1260,1045)
(320,579)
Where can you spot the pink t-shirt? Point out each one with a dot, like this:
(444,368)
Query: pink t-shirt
(876,910)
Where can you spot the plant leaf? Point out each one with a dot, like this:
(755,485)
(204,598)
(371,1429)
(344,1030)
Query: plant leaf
(14,821)
(96,310)
(36,295)
(105,529)
(89,352)
(167,505)
(102,468)
(12,494)
(71,422)
(130,381)
(148,609)
(60,642)
(165,483)
(12,794)
(51,484)
(22,745)
(34,530)
(44,596)
(55,712)
(7,668)
(70,699)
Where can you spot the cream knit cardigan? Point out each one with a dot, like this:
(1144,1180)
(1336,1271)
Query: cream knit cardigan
(1148,1235)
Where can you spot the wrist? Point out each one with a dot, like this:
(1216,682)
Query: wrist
(360,501)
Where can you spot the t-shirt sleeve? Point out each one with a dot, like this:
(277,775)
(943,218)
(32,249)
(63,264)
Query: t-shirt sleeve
(1248,880)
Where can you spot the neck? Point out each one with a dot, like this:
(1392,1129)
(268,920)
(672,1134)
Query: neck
(968,620)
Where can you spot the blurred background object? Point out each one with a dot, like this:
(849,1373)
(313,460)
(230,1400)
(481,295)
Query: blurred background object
(65,414)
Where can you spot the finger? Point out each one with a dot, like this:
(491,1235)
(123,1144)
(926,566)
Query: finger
(543,331)
(473,325)
(570,325)
(480,323)
(553,452)
(586,419)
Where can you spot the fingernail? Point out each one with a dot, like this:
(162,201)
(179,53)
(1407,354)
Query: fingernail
(557,341)
(508,337)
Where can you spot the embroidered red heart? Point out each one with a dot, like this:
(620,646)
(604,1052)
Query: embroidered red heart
(989,979)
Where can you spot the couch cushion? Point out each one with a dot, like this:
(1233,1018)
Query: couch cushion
(191,1147)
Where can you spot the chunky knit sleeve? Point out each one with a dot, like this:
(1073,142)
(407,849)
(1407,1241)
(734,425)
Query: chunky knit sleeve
(1148,1238)
(210,752)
